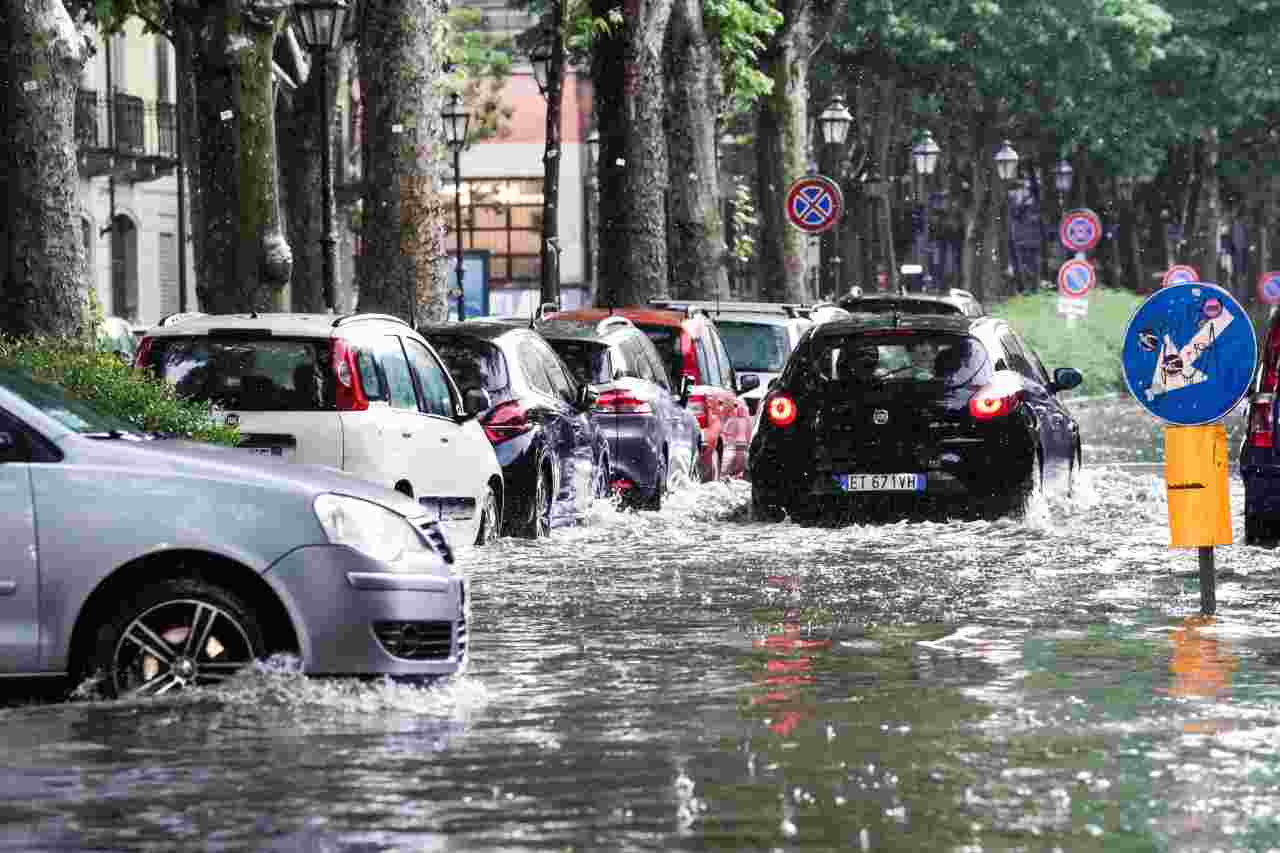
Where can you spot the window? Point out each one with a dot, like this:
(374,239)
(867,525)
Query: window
(432,382)
(707,364)
(759,347)
(561,385)
(249,374)
(535,370)
(503,217)
(726,366)
(589,361)
(1017,358)
(637,360)
(667,341)
(473,364)
(651,355)
(395,369)
(370,381)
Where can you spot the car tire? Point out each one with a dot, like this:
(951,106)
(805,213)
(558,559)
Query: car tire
(653,500)
(490,517)
(538,524)
(146,647)
(711,470)
(1260,531)
(767,505)
(601,482)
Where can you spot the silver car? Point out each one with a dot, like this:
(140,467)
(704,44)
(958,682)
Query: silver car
(158,564)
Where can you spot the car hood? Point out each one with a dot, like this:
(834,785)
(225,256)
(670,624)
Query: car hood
(177,458)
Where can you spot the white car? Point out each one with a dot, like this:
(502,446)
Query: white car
(363,393)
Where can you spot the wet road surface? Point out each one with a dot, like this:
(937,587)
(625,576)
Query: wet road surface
(695,680)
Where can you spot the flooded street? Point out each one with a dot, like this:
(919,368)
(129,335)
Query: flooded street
(694,680)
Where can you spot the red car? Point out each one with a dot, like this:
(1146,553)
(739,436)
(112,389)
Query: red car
(691,347)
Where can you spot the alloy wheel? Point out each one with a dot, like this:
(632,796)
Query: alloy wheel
(178,644)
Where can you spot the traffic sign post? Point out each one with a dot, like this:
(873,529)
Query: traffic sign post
(1080,230)
(1178,274)
(814,204)
(1188,358)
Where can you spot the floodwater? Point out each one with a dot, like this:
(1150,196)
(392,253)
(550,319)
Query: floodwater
(695,680)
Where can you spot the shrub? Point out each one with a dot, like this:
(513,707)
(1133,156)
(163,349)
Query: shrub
(115,388)
(1092,345)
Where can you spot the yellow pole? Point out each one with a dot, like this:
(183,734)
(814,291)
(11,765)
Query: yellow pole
(1199,497)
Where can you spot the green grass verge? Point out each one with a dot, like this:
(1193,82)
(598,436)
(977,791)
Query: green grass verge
(115,388)
(1092,345)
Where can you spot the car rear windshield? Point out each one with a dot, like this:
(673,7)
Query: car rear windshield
(588,360)
(940,360)
(248,374)
(760,347)
(667,341)
(473,363)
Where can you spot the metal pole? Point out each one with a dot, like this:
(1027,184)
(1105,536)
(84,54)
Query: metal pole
(328,242)
(550,274)
(1208,582)
(457,221)
(181,173)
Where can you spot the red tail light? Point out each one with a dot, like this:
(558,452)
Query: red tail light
(506,421)
(621,402)
(1271,362)
(698,408)
(1262,426)
(996,400)
(350,395)
(781,409)
(143,355)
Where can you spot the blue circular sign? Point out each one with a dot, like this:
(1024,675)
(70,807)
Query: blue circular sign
(1189,354)
(1075,277)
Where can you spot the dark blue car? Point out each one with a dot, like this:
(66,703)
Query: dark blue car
(1259,453)
(652,435)
(897,414)
(554,459)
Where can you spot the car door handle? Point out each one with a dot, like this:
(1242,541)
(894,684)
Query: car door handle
(407,434)
(444,439)
(8,587)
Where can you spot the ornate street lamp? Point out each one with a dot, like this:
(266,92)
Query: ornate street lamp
(547,62)
(835,122)
(320,28)
(456,120)
(1006,162)
(924,156)
(1062,175)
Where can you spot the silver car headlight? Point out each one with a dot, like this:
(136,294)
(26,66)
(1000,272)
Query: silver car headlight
(369,528)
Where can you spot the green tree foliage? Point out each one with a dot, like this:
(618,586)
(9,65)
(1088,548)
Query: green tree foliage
(481,63)
(742,28)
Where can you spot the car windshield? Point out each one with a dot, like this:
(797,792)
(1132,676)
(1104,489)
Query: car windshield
(588,360)
(473,363)
(667,341)
(761,347)
(248,374)
(951,361)
(58,404)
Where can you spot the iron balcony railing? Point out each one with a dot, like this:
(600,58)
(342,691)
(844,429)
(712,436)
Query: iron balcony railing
(141,128)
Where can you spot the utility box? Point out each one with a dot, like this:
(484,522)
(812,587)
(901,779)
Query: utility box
(1195,472)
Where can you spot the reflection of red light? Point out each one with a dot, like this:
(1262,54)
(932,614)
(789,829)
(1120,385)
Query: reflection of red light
(782,581)
(776,643)
(788,680)
(787,724)
(796,665)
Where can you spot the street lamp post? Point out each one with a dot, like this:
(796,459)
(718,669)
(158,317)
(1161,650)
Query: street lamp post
(1006,168)
(548,72)
(320,24)
(924,156)
(834,123)
(456,120)
(593,208)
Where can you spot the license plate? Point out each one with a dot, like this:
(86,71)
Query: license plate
(274,452)
(881,482)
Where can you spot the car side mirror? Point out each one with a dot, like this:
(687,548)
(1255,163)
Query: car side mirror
(1065,378)
(475,401)
(586,397)
(773,383)
(750,382)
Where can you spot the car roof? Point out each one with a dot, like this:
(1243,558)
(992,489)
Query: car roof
(647,316)
(757,318)
(911,302)
(489,330)
(284,324)
(561,329)
(718,308)
(954,323)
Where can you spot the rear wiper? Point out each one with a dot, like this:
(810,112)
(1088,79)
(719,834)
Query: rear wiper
(114,435)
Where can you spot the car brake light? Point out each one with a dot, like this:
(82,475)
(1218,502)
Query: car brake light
(698,408)
(782,410)
(1262,421)
(996,400)
(1271,362)
(506,421)
(350,396)
(621,402)
(144,352)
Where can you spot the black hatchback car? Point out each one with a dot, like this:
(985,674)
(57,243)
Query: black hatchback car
(652,435)
(911,413)
(554,459)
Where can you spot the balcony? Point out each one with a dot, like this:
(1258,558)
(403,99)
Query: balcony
(145,143)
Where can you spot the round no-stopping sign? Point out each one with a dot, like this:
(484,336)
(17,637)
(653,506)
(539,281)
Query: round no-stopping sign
(1080,229)
(1269,288)
(814,204)
(1075,277)
(1179,273)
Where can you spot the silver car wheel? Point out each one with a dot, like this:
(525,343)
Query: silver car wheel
(176,644)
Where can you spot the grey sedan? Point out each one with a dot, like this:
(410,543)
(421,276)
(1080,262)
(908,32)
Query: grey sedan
(156,564)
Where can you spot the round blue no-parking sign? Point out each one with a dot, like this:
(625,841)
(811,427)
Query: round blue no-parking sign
(1189,354)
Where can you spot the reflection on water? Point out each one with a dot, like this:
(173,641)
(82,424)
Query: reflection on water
(694,680)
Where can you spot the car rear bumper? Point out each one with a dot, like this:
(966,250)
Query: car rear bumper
(355,618)
(634,449)
(1261,487)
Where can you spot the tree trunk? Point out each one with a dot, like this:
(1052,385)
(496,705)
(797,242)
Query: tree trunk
(782,144)
(243,262)
(627,80)
(696,232)
(44,261)
(1211,217)
(403,269)
(299,116)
